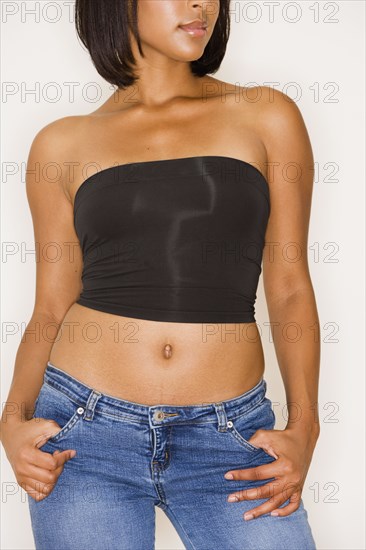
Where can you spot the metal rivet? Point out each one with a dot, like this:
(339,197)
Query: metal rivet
(158,415)
(80,410)
(230,424)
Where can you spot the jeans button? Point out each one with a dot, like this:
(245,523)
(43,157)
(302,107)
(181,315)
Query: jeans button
(158,415)
(80,410)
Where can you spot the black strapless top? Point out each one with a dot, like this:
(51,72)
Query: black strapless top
(177,240)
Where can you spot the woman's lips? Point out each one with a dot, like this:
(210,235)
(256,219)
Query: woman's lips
(193,31)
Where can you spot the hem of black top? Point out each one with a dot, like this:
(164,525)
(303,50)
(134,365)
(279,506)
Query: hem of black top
(171,316)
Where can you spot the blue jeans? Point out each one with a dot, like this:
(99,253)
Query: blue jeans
(132,457)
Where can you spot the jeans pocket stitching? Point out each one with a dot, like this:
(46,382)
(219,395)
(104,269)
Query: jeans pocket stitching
(234,432)
(70,424)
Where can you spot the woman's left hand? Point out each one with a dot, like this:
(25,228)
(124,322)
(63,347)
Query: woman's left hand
(293,450)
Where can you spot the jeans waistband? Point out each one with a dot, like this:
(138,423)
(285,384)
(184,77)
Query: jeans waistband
(158,415)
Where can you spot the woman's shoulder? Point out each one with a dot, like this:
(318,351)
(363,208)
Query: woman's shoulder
(58,140)
(55,149)
(61,130)
(258,103)
(273,114)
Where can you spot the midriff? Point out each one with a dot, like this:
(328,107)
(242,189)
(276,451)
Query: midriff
(153,362)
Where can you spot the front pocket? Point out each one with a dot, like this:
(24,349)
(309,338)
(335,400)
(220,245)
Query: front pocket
(242,427)
(53,404)
(232,429)
(70,424)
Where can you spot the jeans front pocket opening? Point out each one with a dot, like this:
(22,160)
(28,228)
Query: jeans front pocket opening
(233,431)
(77,415)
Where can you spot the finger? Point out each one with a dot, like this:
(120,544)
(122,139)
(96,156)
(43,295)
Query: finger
(35,488)
(45,479)
(293,505)
(265,508)
(272,505)
(44,437)
(265,491)
(265,446)
(42,475)
(63,456)
(43,459)
(265,471)
(48,461)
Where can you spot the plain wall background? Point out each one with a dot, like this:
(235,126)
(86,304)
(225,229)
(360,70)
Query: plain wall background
(314,52)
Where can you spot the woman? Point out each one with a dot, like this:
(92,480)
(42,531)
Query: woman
(145,384)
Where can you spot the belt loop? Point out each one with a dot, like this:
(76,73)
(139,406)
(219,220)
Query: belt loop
(221,416)
(90,405)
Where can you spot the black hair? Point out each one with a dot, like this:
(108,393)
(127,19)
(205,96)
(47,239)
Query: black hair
(103,25)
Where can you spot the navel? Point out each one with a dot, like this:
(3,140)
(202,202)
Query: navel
(168,350)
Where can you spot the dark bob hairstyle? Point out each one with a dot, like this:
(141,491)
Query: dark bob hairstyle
(102,26)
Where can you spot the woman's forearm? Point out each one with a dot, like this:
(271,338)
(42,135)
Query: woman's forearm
(30,363)
(296,336)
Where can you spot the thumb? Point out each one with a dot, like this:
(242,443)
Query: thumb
(63,456)
(44,437)
(258,440)
(71,452)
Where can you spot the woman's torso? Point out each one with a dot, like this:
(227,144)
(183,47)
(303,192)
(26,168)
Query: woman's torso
(155,362)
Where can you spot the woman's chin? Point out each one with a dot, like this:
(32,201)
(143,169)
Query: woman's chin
(188,55)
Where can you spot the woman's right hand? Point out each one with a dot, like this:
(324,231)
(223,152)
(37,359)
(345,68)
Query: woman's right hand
(36,471)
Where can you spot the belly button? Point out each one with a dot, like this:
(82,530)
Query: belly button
(168,351)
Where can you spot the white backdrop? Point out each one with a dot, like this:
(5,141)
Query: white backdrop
(314,52)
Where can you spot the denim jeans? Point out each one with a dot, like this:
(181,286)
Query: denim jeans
(132,457)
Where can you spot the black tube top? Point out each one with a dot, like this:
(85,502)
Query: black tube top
(176,240)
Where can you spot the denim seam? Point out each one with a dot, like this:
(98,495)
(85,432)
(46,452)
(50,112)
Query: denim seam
(167,447)
(121,418)
(162,425)
(243,442)
(172,423)
(55,386)
(68,426)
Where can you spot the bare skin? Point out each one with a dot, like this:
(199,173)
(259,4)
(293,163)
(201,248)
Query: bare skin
(146,361)
(168,114)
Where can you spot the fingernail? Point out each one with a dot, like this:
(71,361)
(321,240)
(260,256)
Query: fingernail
(274,514)
(232,498)
(73,453)
(229,476)
(248,516)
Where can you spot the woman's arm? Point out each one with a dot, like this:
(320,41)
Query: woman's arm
(58,265)
(292,309)
(58,285)
(286,278)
